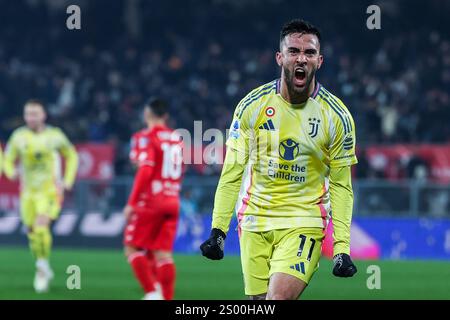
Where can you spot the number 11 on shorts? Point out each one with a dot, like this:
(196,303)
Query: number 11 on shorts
(302,244)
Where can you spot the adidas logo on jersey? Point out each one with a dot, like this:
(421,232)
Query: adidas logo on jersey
(267,125)
(300,267)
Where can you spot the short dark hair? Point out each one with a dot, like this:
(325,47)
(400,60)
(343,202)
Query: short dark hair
(158,106)
(299,26)
(36,101)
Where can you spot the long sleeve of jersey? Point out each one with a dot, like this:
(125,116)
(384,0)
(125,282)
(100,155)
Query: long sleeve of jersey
(141,182)
(70,155)
(227,190)
(341,193)
(9,161)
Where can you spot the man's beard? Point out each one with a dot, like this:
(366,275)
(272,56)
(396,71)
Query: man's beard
(295,91)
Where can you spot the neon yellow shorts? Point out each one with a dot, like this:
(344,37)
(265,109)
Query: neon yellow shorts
(292,251)
(46,203)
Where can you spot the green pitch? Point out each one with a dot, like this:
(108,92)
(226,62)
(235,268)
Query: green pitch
(106,275)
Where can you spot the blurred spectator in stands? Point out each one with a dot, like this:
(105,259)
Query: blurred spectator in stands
(417,168)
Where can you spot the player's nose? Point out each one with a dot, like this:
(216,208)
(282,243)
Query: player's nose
(301,58)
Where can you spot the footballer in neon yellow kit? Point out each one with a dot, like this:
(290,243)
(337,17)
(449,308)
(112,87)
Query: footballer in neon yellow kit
(289,153)
(38,146)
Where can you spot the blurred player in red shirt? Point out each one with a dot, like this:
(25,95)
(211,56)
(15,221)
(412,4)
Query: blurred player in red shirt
(153,205)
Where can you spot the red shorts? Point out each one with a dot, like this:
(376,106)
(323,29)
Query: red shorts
(153,228)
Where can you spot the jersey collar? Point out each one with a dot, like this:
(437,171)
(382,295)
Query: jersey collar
(316,89)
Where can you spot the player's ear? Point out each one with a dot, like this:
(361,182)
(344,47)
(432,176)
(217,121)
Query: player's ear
(320,61)
(279,58)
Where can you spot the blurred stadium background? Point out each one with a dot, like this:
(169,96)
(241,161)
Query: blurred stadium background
(203,57)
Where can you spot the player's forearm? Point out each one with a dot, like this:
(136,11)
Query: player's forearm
(227,190)
(341,193)
(142,181)
(71,167)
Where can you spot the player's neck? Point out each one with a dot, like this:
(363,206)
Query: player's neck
(293,98)
(38,129)
(156,123)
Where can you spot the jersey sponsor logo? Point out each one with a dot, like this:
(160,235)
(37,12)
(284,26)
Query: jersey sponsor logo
(289,149)
(143,142)
(348,143)
(235,130)
(270,111)
(142,156)
(290,172)
(268,125)
(314,127)
(157,187)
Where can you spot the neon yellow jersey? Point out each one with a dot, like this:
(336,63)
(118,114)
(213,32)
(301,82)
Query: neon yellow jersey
(39,158)
(291,149)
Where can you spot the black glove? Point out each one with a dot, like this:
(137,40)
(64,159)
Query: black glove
(213,247)
(343,266)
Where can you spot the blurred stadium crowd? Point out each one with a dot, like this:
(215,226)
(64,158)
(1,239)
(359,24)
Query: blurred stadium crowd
(205,56)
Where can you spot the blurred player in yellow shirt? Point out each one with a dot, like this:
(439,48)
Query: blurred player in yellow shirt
(38,147)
